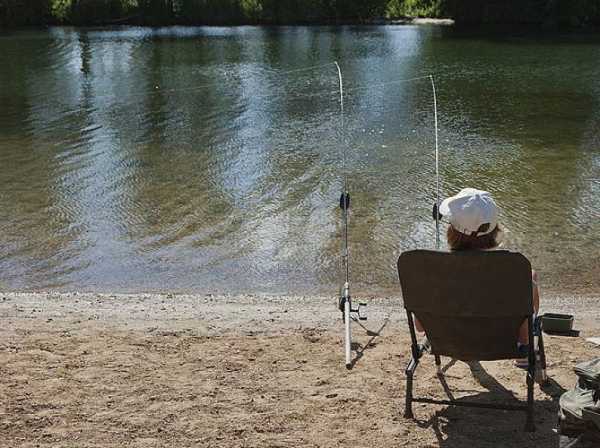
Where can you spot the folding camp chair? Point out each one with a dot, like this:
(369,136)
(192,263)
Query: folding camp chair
(471,305)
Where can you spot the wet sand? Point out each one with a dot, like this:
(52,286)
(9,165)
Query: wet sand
(83,370)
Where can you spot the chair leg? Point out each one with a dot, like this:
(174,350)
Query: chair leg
(529,424)
(438,364)
(543,377)
(410,370)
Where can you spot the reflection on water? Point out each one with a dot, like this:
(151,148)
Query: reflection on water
(210,159)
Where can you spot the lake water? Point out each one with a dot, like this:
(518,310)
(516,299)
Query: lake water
(211,159)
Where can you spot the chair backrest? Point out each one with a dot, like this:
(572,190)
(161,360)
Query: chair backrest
(470,303)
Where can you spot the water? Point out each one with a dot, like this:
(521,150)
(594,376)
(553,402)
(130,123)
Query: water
(210,159)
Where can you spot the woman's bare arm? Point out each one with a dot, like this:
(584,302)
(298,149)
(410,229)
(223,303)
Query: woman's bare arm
(536,291)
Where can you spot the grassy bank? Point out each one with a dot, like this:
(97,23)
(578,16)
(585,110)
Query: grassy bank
(14,13)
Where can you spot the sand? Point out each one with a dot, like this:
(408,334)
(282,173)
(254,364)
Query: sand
(149,370)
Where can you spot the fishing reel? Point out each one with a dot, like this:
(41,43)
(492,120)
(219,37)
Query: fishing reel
(435,213)
(360,311)
(345,201)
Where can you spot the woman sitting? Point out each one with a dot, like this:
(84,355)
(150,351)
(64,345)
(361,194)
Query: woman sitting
(473,218)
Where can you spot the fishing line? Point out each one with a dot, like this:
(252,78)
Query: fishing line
(320,94)
(340,91)
(157,88)
(215,84)
(383,84)
(236,114)
(310,67)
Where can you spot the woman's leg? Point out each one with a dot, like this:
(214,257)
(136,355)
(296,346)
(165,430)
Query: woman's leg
(418,325)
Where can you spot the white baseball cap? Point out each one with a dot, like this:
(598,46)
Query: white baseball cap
(470,209)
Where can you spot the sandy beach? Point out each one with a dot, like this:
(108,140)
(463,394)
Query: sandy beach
(148,370)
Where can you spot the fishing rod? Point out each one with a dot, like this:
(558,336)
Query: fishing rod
(436,207)
(345,301)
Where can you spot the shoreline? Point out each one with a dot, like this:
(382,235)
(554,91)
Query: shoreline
(400,21)
(520,26)
(214,314)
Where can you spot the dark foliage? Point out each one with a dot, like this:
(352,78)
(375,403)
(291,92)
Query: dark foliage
(232,12)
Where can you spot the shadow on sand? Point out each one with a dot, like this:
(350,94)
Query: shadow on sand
(459,427)
(358,348)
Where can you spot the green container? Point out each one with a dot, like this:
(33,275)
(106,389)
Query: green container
(557,323)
